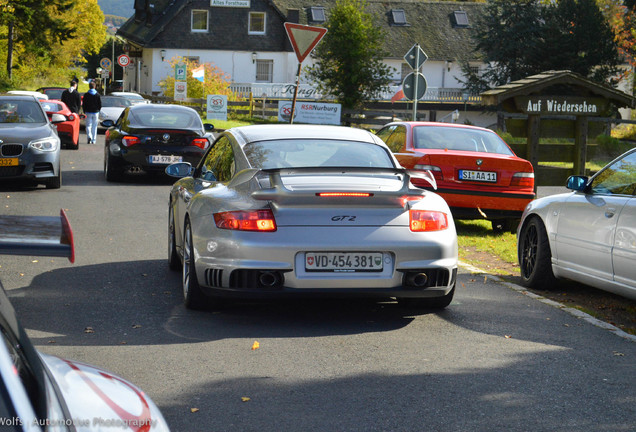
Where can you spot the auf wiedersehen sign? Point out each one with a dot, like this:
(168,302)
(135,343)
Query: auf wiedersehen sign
(561,105)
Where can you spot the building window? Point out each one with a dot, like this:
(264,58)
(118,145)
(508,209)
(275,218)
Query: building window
(461,19)
(317,14)
(264,70)
(199,21)
(399,17)
(256,24)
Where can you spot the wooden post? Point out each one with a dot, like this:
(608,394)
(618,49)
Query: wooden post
(251,105)
(580,145)
(534,133)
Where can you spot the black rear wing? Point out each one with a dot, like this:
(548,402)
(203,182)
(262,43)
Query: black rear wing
(277,192)
(37,236)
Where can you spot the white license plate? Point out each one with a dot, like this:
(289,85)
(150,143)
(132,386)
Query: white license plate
(482,176)
(165,159)
(343,262)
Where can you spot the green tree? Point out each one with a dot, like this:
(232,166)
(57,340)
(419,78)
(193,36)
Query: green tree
(33,26)
(526,37)
(349,58)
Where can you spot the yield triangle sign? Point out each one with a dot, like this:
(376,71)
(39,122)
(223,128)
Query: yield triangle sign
(303,38)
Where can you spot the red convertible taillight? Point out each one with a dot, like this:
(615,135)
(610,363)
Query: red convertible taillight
(130,141)
(523,179)
(427,220)
(257,220)
(437,171)
(202,143)
(71,117)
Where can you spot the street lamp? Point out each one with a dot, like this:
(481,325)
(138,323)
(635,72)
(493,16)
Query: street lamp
(254,57)
(163,54)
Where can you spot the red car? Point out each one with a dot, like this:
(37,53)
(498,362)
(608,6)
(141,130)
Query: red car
(68,131)
(477,174)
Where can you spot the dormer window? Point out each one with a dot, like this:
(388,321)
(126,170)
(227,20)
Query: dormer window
(461,19)
(399,17)
(317,14)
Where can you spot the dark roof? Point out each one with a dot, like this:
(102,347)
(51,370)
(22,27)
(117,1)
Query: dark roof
(537,83)
(431,24)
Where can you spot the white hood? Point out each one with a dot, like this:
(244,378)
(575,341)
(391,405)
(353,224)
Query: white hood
(100,401)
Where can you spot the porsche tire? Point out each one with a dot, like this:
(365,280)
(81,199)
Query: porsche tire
(535,256)
(193,297)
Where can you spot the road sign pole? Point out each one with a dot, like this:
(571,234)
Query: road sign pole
(417,62)
(293,108)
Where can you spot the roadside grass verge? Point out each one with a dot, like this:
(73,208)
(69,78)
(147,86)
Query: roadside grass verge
(478,235)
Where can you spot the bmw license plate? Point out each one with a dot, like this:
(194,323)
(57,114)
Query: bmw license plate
(8,161)
(165,159)
(346,262)
(480,176)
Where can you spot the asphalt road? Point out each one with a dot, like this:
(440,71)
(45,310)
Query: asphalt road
(495,360)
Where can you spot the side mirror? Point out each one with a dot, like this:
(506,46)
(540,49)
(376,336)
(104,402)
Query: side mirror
(180,170)
(209,127)
(577,183)
(58,118)
(108,123)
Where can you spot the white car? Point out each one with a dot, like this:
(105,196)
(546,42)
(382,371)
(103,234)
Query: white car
(40,392)
(112,107)
(588,235)
(134,98)
(35,94)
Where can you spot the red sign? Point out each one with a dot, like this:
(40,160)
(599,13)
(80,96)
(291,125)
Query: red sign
(123,60)
(303,38)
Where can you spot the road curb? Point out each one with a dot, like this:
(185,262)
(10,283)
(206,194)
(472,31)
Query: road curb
(574,312)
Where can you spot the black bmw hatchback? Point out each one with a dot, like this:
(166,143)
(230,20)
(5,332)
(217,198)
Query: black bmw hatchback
(148,137)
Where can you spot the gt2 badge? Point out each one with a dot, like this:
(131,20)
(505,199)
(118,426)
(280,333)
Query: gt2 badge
(343,218)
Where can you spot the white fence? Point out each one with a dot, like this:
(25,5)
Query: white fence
(306,91)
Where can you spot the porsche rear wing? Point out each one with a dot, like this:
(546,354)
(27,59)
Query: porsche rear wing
(277,192)
(37,236)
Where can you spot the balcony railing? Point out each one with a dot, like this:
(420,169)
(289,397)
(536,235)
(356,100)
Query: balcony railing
(306,91)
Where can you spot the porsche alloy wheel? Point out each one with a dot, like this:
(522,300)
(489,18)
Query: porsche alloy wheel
(192,296)
(535,256)
(174,261)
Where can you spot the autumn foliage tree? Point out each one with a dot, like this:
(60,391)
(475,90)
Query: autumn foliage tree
(216,82)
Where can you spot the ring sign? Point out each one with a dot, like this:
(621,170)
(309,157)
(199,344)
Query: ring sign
(123,60)
(105,63)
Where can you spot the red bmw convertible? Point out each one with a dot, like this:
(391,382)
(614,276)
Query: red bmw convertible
(477,174)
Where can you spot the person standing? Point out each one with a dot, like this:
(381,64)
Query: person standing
(91,104)
(72,98)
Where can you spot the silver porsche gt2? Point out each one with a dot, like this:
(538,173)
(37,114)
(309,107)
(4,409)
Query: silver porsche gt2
(286,210)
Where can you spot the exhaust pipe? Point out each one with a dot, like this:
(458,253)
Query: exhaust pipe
(417,280)
(270,279)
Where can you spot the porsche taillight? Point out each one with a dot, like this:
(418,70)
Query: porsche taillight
(257,220)
(427,220)
(344,194)
(130,141)
(523,179)
(71,117)
(202,143)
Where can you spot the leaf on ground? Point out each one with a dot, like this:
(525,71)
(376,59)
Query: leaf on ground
(245,399)
(193,410)
(508,336)
(136,326)
(255,345)
(89,330)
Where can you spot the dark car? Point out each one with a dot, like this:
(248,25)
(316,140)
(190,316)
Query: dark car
(29,143)
(147,137)
(41,392)
(52,92)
